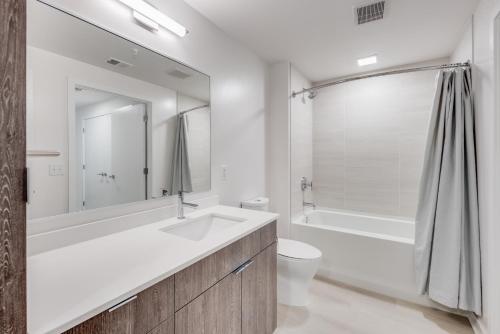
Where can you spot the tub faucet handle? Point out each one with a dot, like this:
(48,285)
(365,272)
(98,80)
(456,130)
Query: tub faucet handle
(305,184)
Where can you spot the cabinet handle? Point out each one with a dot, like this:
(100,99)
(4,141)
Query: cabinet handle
(125,302)
(242,267)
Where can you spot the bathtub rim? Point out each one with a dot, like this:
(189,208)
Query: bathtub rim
(300,221)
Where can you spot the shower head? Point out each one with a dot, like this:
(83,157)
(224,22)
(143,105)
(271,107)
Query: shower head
(312,94)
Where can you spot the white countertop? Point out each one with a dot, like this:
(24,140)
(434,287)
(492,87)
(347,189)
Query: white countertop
(69,285)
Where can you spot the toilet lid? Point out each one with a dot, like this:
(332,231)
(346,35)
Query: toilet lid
(297,250)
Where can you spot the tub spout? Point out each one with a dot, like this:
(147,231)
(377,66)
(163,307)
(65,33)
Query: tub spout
(308,204)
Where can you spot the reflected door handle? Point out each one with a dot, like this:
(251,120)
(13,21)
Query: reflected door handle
(102,174)
(112,176)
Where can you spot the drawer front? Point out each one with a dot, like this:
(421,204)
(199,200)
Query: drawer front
(154,306)
(137,315)
(259,294)
(114,321)
(268,235)
(216,311)
(93,325)
(197,278)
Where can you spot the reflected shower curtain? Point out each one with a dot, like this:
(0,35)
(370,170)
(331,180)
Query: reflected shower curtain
(447,252)
(181,173)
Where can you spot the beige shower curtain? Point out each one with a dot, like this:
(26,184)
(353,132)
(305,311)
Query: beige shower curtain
(447,250)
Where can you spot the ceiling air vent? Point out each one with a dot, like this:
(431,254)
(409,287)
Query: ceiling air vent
(118,62)
(371,12)
(176,73)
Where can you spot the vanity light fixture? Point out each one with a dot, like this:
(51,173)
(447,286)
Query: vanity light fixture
(367,61)
(153,18)
(146,21)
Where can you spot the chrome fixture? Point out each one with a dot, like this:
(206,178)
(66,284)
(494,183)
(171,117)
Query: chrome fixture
(312,94)
(381,74)
(308,204)
(304,184)
(195,108)
(181,204)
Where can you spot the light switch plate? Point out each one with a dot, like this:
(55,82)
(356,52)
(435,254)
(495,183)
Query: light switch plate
(56,170)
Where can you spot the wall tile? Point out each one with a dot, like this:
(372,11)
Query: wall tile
(368,143)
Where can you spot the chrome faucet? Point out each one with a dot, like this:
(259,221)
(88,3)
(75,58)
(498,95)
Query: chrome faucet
(304,185)
(181,204)
(312,205)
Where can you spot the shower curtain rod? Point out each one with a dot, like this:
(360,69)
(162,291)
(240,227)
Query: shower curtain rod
(381,74)
(195,108)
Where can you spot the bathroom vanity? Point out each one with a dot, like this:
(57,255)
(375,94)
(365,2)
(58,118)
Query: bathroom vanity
(215,270)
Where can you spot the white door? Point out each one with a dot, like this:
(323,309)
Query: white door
(115,158)
(97,152)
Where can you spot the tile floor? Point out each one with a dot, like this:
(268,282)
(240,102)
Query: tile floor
(337,309)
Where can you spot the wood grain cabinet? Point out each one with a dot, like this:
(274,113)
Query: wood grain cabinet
(258,290)
(232,291)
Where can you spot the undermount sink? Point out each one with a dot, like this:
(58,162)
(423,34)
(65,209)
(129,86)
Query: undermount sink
(199,228)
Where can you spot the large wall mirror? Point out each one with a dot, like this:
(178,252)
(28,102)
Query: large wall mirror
(108,122)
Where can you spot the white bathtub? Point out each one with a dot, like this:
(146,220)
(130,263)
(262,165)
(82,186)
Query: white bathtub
(372,253)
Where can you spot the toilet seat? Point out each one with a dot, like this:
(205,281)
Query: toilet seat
(297,250)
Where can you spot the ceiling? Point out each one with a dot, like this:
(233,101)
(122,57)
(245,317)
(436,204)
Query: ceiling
(321,37)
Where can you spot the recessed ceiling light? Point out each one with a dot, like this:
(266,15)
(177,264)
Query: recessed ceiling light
(149,12)
(367,61)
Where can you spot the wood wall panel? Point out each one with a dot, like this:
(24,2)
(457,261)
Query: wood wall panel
(12,164)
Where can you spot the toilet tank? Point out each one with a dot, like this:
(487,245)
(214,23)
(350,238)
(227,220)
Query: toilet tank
(259,204)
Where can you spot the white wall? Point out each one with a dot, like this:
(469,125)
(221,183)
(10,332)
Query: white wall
(238,86)
(369,142)
(301,133)
(278,148)
(478,44)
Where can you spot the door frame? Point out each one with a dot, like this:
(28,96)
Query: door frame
(13,182)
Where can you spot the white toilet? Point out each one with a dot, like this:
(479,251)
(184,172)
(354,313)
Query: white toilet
(298,262)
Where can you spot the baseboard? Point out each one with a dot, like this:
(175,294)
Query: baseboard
(477,326)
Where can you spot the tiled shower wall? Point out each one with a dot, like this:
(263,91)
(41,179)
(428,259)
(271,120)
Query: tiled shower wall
(368,143)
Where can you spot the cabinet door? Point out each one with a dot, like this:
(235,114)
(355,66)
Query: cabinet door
(154,306)
(119,319)
(216,311)
(197,278)
(116,320)
(259,284)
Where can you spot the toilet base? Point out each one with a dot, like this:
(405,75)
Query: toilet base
(294,280)
(291,295)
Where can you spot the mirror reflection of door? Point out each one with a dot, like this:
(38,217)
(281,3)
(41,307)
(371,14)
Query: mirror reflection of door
(113,152)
